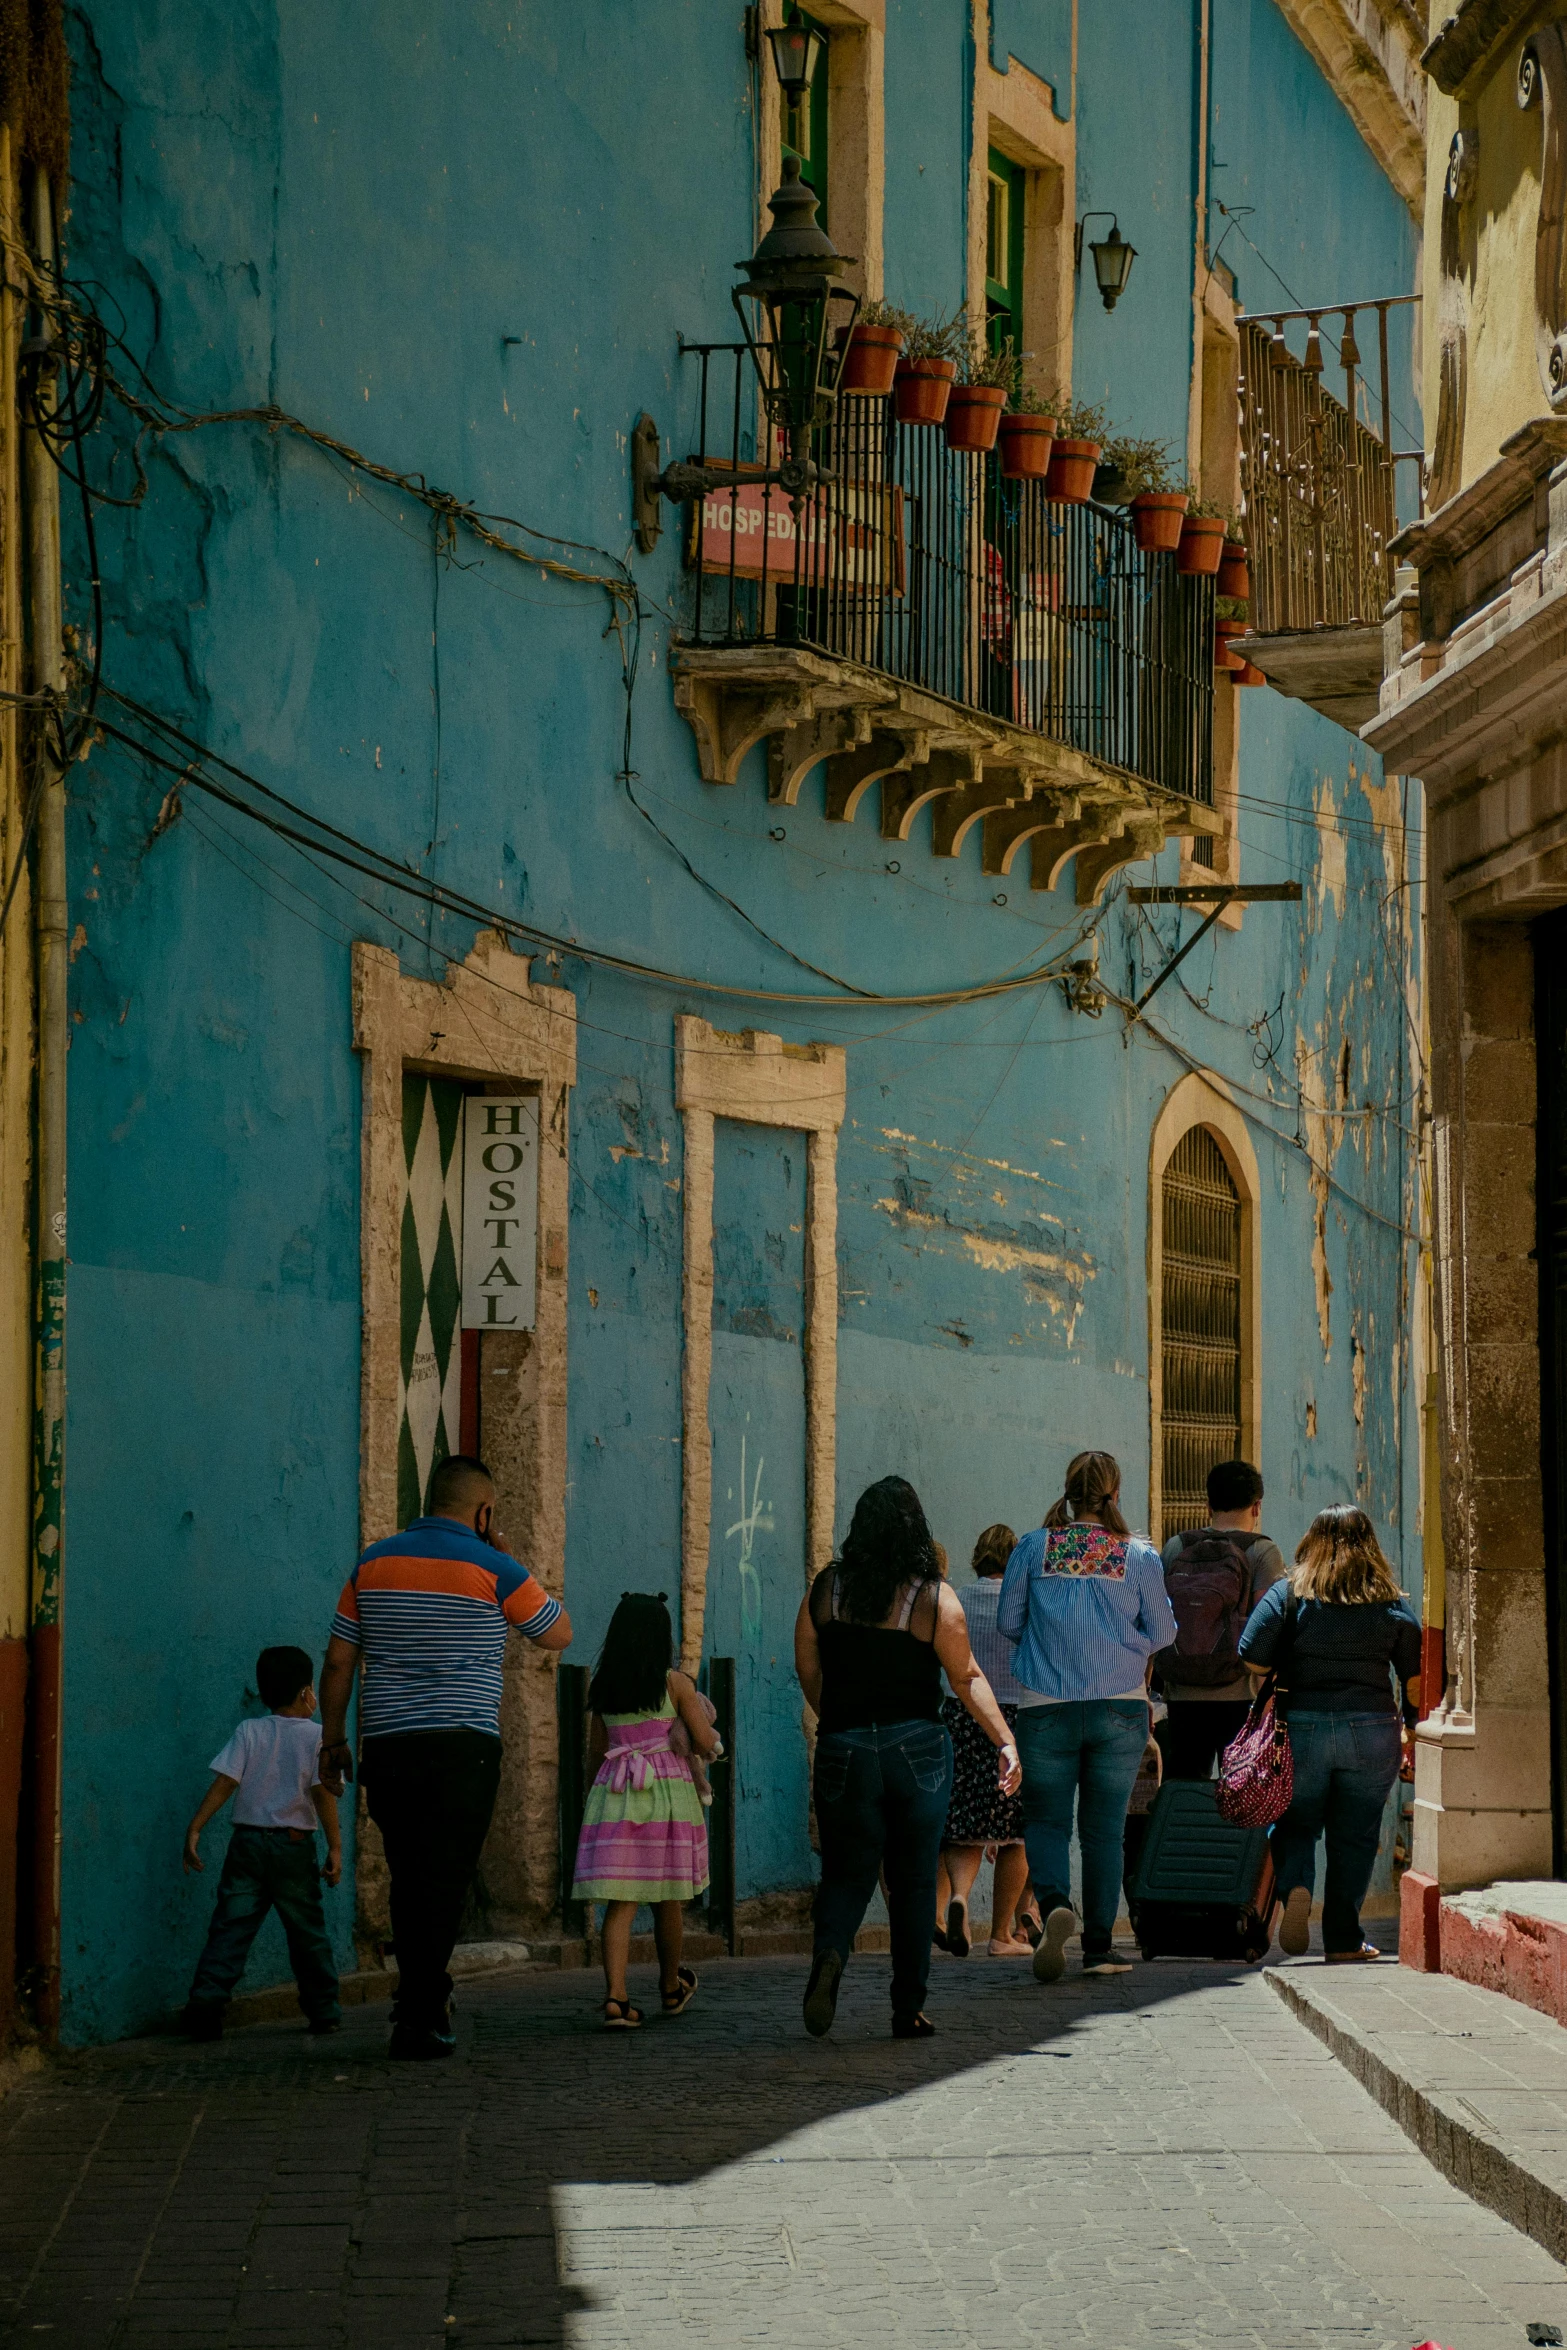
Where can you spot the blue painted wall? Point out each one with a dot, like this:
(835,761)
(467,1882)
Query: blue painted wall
(470,256)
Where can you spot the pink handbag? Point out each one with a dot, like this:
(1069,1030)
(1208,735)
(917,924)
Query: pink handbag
(1257,1769)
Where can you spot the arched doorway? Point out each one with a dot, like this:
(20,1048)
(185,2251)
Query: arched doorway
(1200,1324)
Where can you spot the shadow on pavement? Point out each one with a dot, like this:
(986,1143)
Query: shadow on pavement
(279,2190)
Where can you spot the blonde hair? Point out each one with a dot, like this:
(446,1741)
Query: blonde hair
(1093,1479)
(1340,1560)
(993,1549)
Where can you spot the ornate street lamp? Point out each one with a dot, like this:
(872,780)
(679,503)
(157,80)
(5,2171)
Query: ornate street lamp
(791,279)
(1112,258)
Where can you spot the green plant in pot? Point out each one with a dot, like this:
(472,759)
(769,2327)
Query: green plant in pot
(1235,564)
(932,348)
(1082,429)
(1148,484)
(1204,528)
(877,340)
(1028,428)
(979,395)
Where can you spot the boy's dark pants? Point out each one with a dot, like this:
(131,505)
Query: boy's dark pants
(267,1869)
(431,1794)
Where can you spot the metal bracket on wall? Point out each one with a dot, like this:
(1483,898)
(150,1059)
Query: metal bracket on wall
(1217,894)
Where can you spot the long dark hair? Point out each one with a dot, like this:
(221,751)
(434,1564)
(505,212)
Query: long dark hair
(631,1676)
(1093,1479)
(888,1546)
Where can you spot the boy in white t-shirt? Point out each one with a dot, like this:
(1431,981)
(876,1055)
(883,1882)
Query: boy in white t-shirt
(270,1768)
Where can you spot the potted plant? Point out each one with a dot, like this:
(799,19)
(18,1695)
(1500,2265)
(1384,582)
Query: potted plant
(1028,429)
(1081,431)
(1204,528)
(876,339)
(922,384)
(1157,500)
(1230,621)
(1235,568)
(977,399)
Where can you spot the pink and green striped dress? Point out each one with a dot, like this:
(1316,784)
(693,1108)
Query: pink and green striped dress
(643,1835)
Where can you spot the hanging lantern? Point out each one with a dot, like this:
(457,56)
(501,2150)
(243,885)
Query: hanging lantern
(797,50)
(791,280)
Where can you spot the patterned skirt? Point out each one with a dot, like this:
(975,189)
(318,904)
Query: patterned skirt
(978,1813)
(642,1843)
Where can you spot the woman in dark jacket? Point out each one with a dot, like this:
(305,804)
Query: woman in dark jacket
(874,1634)
(1345,1646)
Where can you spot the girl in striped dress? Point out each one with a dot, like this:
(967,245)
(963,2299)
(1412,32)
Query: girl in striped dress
(644,1838)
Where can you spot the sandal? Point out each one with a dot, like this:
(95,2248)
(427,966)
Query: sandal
(677,2001)
(621,2016)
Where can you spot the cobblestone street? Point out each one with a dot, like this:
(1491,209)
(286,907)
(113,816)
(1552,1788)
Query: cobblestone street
(1167,2159)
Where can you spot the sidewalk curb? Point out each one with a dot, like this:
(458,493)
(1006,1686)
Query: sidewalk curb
(1451,2139)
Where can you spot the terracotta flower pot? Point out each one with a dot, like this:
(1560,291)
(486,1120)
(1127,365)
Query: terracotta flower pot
(973,416)
(1223,630)
(1157,516)
(1201,547)
(1250,674)
(1235,570)
(1026,443)
(921,389)
(872,359)
(1070,480)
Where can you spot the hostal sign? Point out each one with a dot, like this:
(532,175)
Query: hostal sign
(500,1211)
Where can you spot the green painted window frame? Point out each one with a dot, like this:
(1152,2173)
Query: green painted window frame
(1004,296)
(813,166)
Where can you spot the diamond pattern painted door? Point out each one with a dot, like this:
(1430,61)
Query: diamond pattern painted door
(430,1398)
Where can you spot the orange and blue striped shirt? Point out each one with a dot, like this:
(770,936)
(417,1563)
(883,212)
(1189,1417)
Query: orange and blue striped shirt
(430,1609)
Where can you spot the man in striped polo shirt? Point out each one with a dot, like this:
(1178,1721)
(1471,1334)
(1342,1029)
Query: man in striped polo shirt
(428,1612)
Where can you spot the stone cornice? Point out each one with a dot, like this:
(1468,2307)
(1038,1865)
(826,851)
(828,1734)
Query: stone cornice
(1367,49)
(1486,710)
(1461,46)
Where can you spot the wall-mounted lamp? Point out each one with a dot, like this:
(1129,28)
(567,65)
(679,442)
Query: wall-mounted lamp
(1112,256)
(797,50)
(792,279)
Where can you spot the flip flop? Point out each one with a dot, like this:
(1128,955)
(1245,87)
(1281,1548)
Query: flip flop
(677,2001)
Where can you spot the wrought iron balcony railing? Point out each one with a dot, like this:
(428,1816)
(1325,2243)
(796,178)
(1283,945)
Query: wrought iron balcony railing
(1319,482)
(923,563)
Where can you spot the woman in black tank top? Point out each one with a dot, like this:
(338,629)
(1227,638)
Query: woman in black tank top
(874,1634)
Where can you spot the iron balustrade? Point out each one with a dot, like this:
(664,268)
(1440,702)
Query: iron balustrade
(1319,482)
(926,563)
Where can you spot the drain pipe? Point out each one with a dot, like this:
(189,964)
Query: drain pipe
(42,489)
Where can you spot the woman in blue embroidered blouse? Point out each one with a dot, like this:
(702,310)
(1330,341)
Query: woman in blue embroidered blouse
(1084,1599)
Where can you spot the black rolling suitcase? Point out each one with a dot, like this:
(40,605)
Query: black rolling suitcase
(1203,1888)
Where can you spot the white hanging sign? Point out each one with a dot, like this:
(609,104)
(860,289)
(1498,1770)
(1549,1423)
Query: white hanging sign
(500,1211)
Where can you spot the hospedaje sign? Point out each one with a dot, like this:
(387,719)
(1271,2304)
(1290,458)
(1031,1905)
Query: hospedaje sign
(845,536)
(500,1211)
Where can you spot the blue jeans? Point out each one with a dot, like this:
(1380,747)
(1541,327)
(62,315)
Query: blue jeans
(1085,1754)
(881,1799)
(266,1869)
(1345,1766)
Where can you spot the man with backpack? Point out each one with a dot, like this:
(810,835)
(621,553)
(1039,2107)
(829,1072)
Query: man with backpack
(1214,1575)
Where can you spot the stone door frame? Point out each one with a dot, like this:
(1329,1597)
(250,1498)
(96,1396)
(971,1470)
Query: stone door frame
(487,1022)
(758,1080)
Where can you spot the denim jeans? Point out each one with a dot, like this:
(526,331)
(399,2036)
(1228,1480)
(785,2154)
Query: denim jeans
(1085,1754)
(1345,1766)
(431,1793)
(881,1798)
(1344,1770)
(266,1869)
